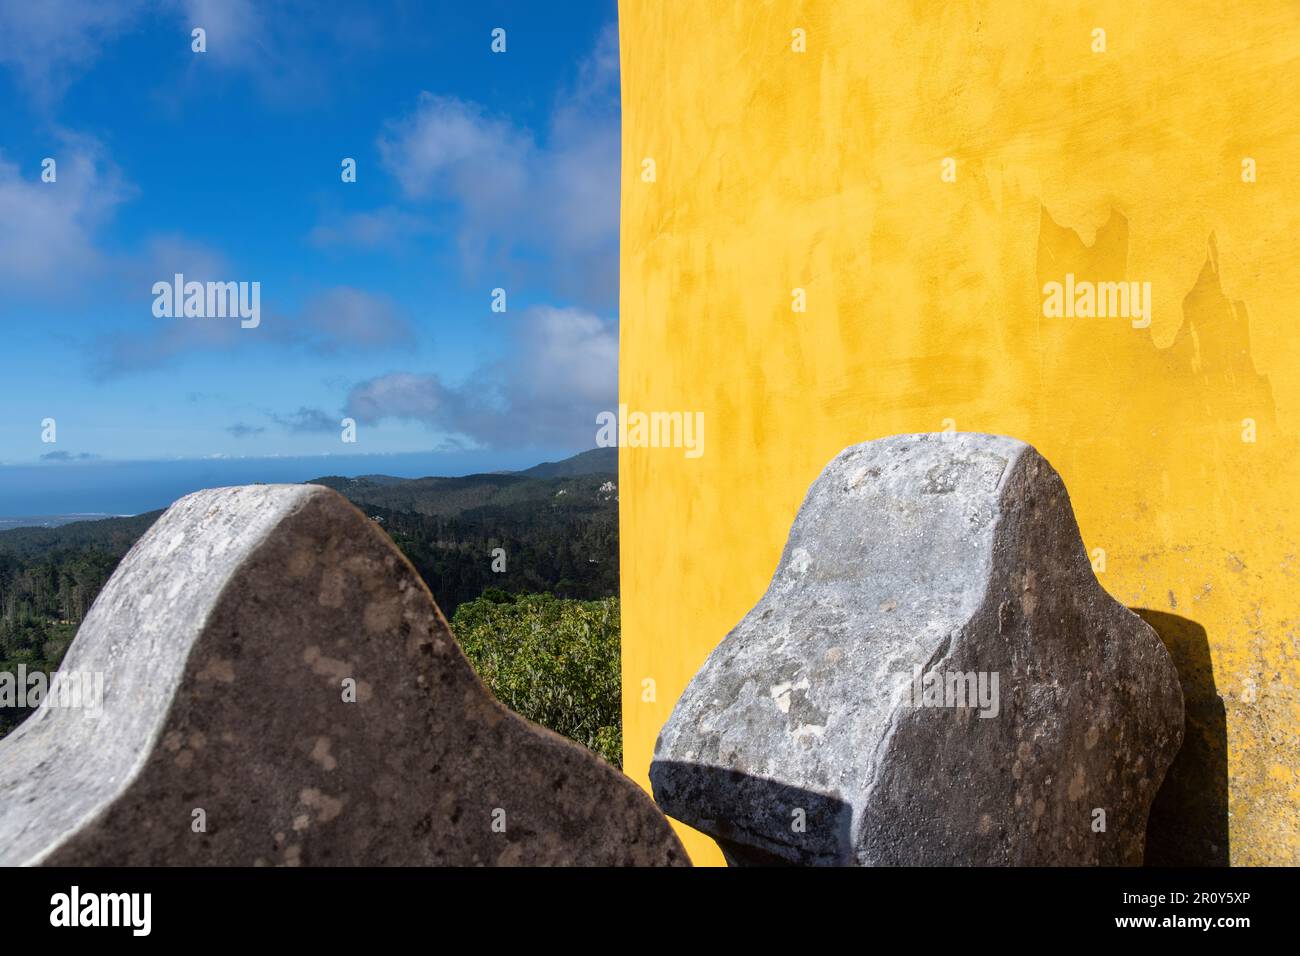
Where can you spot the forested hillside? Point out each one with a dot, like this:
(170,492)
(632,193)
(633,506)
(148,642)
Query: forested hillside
(42,602)
(557,535)
(112,536)
(552,660)
(558,531)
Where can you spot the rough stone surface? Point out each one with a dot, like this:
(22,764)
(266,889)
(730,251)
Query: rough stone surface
(954,554)
(225,638)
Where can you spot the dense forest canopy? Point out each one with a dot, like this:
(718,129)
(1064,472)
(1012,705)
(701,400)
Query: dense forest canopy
(556,526)
(552,660)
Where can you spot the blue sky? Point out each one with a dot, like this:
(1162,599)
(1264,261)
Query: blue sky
(475,170)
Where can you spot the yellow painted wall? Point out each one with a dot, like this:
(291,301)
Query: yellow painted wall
(821,170)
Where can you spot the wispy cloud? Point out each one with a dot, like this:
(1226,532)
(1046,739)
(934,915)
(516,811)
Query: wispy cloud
(119,353)
(336,321)
(49,238)
(345,318)
(561,369)
(269,45)
(307,420)
(50,43)
(68,456)
(388,228)
(237,34)
(524,202)
(531,205)
(243,430)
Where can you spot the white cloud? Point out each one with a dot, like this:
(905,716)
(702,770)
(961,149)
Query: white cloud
(570,354)
(450,147)
(270,45)
(422,398)
(48,239)
(120,353)
(307,420)
(49,43)
(291,51)
(560,370)
(344,317)
(236,33)
(170,253)
(386,228)
(550,206)
(337,320)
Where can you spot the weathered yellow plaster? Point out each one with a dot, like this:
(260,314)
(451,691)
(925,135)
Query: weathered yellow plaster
(777,170)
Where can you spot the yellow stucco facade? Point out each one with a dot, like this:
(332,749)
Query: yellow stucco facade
(1122,156)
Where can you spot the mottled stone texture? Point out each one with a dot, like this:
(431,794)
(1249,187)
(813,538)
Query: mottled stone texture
(225,639)
(798,741)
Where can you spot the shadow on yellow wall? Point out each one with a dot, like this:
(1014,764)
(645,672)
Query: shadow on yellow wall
(827,246)
(1188,825)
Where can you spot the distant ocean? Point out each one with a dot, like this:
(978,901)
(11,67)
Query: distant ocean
(57,493)
(50,521)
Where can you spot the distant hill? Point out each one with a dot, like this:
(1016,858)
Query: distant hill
(49,521)
(112,536)
(598,461)
(453,496)
(429,496)
(558,524)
